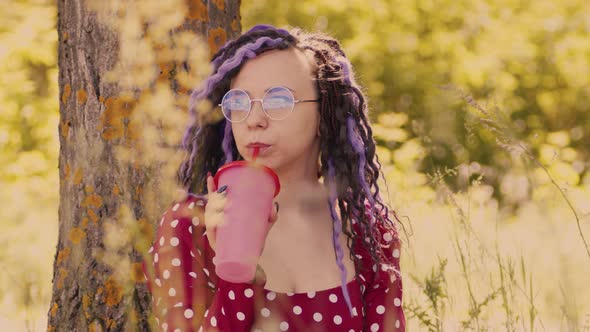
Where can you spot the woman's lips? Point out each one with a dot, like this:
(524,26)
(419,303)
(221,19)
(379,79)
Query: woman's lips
(262,149)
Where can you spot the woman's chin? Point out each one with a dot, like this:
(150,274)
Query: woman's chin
(262,161)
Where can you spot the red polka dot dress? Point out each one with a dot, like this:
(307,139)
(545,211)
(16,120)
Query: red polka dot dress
(188,296)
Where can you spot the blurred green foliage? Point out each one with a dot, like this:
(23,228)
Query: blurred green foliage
(29,148)
(530,59)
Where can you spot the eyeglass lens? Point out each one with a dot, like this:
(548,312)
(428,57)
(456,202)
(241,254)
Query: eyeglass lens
(277,103)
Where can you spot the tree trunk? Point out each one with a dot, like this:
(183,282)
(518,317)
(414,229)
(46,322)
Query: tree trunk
(95,121)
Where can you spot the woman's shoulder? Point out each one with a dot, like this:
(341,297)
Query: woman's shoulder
(183,218)
(379,225)
(385,234)
(191,206)
(186,205)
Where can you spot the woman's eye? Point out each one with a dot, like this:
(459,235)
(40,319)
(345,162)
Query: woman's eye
(277,102)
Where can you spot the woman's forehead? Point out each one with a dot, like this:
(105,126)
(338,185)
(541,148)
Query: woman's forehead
(289,68)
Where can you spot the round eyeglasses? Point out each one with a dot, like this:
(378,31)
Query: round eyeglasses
(277,103)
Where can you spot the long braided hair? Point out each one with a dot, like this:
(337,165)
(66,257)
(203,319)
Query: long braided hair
(348,161)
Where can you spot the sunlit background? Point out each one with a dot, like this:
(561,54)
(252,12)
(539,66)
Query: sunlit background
(481,110)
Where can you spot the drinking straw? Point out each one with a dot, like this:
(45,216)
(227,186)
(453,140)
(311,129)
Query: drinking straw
(255,155)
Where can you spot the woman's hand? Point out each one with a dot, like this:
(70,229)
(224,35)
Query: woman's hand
(214,210)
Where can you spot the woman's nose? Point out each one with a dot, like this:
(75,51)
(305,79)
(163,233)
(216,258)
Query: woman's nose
(257,117)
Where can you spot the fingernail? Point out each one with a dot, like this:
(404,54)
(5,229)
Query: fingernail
(222,189)
(208,174)
(277,205)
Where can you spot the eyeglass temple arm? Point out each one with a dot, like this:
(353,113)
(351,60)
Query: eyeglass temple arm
(295,101)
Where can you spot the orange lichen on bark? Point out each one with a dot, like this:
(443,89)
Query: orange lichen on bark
(76,235)
(84,222)
(67,92)
(116,190)
(78,176)
(95,326)
(65,36)
(220,4)
(92,216)
(165,69)
(81,96)
(92,200)
(63,273)
(111,324)
(197,10)
(217,37)
(234,25)
(138,191)
(62,255)
(53,309)
(113,292)
(64,128)
(86,305)
(112,119)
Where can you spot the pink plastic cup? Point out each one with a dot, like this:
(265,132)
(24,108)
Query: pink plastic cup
(240,239)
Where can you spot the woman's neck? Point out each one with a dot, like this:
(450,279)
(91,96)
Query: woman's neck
(303,207)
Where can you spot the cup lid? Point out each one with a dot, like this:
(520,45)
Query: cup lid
(242,163)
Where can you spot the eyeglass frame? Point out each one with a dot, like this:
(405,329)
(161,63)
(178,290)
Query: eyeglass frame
(295,101)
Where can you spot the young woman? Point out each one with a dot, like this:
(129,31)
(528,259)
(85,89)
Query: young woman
(331,259)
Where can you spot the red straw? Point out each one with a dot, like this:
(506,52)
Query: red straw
(255,155)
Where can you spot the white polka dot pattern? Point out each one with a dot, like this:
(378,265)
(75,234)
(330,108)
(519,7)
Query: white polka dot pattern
(265,312)
(188,313)
(284,326)
(317,317)
(236,306)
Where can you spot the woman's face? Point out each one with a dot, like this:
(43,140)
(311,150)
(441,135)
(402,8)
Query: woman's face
(293,141)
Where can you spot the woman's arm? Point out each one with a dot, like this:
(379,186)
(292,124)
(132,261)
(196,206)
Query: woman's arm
(384,296)
(187,294)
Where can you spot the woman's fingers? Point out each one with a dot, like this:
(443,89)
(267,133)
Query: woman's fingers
(274,213)
(210,184)
(216,203)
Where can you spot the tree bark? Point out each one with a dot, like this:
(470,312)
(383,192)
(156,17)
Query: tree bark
(94,122)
